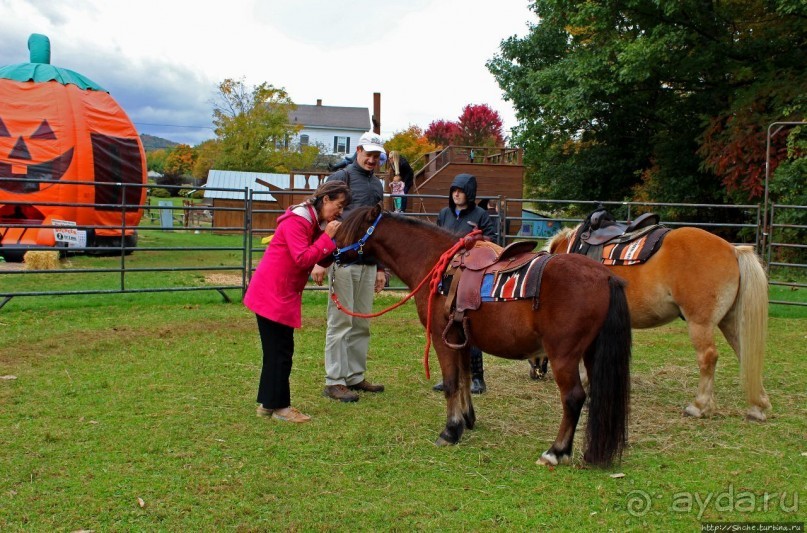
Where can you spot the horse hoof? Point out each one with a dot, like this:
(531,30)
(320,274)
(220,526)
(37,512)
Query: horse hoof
(693,411)
(755,414)
(547,459)
(442,442)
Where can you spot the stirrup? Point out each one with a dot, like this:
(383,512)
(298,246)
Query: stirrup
(464,332)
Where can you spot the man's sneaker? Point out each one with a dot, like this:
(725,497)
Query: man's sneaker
(366,386)
(263,411)
(341,393)
(290,414)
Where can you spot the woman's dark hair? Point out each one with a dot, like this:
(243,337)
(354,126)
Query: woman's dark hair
(333,190)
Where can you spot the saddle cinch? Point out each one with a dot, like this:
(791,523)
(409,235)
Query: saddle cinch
(605,240)
(468,269)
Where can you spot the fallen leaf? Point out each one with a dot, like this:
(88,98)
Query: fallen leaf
(617,475)
(141,503)
(8,377)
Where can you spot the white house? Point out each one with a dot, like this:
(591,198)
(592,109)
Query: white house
(336,130)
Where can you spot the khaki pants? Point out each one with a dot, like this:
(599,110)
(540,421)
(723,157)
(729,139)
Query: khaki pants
(348,338)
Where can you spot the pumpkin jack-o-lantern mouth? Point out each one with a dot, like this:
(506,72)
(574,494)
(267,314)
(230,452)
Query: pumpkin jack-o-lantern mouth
(47,171)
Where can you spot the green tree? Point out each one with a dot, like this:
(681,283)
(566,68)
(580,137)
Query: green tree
(155,160)
(252,126)
(619,98)
(206,156)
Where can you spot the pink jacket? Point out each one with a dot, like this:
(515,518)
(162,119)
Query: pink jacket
(276,289)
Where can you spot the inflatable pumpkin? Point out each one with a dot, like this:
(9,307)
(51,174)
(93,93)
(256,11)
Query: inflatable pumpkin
(67,153)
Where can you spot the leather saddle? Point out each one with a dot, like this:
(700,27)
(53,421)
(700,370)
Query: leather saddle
(604,228)
(468,269)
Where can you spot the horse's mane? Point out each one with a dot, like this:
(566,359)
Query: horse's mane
(350,224)
(564,233)
(352,229)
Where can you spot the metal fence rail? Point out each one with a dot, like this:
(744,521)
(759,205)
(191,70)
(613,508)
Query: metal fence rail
(787,248)
(180,248)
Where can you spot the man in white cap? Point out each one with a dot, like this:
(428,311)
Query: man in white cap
(348,338)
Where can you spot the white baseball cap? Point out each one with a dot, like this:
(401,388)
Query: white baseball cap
(371,142)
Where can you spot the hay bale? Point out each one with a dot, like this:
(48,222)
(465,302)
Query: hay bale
(41,260)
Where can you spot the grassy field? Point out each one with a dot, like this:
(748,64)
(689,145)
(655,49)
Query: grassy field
(137,413)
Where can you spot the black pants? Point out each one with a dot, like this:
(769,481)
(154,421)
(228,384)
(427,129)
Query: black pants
(277,342)
(404,199)
(477,370)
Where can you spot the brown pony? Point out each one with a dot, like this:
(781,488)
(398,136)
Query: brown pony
(708,282)
(582,315)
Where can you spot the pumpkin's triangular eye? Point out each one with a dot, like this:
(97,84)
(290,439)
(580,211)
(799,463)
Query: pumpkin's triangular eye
(3,130)
(44,131)
(20,150)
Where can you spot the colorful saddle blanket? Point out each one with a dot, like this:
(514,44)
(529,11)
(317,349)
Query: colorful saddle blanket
(628,249)
(516,285)
(490,274)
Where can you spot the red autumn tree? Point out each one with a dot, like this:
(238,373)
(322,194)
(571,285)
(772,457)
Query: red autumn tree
(734,149)
(442,132)
(479,125)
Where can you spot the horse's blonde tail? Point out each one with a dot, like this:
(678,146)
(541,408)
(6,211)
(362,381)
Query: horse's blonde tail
(751,325)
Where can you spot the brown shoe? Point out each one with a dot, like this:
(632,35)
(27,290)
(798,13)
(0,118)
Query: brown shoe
(366,386)
(263,411)
(341,393)
(290,414)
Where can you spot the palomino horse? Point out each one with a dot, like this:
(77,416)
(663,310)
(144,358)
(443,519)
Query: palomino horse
(582,315)
(708,282)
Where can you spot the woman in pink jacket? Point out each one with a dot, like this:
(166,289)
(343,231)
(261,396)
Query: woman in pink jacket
(275,292)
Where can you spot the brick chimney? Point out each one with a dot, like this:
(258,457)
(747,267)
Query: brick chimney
(319,101)
(377,113)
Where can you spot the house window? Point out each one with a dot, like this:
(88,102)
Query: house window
(282,143)
(341,145)
(303,140)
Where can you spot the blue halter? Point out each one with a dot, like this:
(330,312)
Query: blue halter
(357,245)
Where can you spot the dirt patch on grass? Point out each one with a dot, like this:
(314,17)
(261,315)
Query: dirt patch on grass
(11,266)
(223,279)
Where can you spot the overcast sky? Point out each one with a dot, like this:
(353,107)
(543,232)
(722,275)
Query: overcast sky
(162,59)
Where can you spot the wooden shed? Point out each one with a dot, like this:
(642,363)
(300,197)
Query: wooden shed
(271,195)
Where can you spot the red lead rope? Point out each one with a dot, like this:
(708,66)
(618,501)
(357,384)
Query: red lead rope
(435,275)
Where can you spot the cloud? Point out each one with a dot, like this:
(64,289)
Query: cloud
(163,60)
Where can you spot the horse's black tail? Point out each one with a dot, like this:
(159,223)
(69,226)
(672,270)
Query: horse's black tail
(607,428)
